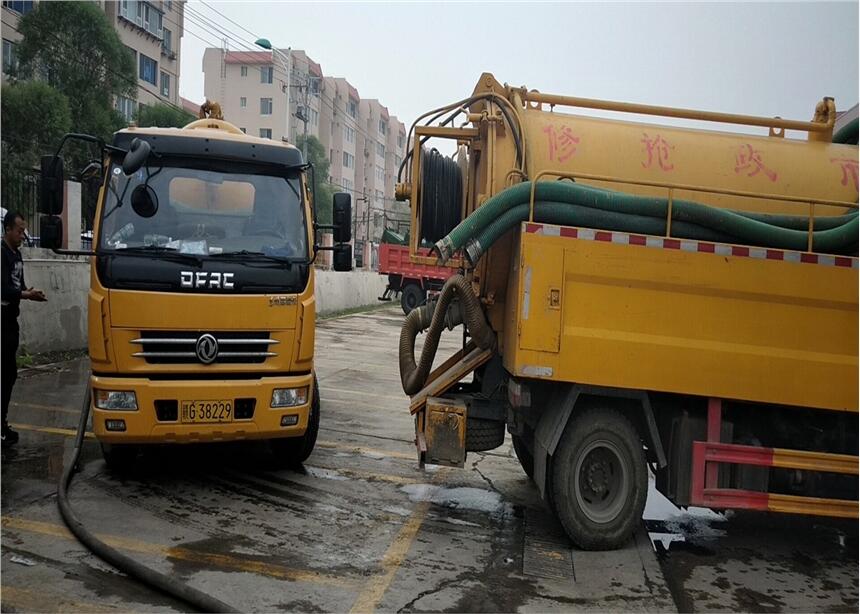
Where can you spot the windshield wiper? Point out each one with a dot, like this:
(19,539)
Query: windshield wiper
(152,250)
(246,254)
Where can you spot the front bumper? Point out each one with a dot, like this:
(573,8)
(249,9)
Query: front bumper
(143,426)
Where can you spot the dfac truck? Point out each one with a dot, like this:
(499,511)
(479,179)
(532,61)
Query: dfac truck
(201,305)
(641,298)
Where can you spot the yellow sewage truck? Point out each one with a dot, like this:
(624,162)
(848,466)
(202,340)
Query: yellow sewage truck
(201,305)
(639,298)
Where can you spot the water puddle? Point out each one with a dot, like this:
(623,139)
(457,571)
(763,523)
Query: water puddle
(456,498)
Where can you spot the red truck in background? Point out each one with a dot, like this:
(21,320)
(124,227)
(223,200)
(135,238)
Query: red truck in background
(412,281)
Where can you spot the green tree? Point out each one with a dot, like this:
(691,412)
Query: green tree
(35,117)
(319,158)
(164,116)
(73,47)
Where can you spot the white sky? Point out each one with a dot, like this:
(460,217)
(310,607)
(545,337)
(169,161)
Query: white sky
(761,59)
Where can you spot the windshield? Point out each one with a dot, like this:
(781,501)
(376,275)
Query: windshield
(207,213)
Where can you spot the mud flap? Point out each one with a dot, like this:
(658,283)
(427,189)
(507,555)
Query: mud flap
(444,433)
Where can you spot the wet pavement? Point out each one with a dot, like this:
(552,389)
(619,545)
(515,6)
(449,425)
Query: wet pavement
(361,527)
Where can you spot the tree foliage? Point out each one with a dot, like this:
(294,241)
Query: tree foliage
(323,190)
(73,47)
(164,116)
(35,117)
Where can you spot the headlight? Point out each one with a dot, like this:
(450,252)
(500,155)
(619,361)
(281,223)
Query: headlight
(115,399)
(289,397)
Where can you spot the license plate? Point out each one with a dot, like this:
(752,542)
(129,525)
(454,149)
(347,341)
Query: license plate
(207,411)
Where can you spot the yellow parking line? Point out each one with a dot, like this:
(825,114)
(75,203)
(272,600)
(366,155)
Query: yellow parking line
(25,600)
(50,429)
(63,410)
(224,561)
(373,592)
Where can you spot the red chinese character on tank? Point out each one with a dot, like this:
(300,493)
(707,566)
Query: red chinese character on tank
(849,170)
(562,143)
(749,159)
(657,149)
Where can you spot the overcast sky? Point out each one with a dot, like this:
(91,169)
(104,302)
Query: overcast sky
(762,59)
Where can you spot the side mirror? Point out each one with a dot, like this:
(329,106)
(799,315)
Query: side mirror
(51,189)
(144,201)
(342,218)
(136,157)
(342,258)
(50,232)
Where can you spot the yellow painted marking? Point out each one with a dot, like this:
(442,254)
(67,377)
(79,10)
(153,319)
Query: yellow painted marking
(224,561)
(26,600)
(373,592)
(50,429)
(63,410)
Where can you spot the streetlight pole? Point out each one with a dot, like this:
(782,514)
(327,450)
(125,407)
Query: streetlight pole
(265,44)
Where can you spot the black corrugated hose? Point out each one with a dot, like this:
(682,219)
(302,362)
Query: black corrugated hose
(432,317)
(441,195)
(170,586)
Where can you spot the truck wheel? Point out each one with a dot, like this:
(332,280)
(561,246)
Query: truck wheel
(524,455)
(599,479)
(411,297)
(292,451)
(119,457)
(482,434)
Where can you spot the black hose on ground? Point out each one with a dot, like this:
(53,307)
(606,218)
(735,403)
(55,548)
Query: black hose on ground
(432,318)
(170,586)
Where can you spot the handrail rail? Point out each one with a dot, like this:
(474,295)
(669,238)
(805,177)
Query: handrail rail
(646,109)
(671,187)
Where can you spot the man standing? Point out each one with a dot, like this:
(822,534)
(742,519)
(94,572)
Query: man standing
(14,289)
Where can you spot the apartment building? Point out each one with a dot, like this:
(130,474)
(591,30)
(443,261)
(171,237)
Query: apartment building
(152,31)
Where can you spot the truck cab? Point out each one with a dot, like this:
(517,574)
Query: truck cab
(201,305)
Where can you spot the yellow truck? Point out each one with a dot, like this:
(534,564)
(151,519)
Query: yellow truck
(201,305)
(640,298)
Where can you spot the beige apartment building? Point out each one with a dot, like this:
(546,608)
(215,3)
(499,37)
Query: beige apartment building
(152,31)
(364,143)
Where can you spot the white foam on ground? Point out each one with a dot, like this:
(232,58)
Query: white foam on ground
(658,507)
(326,474)
(458,498)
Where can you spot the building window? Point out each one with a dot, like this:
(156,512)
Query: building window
(165,84)
(315,85)
(265,106)
(266,74)
(168,5)
(380,150)
(152,19)
(148,69)
(133,54)
(347,184)
(383,126)
(349,134)
(400,141)
(348,160)
(397,160)
(125,107)
(380,173)
(352,108)
(330,156)
(265,133)
(315,117)
(167,41)
(19,7)
(243,102)
(243,71)
(10,56)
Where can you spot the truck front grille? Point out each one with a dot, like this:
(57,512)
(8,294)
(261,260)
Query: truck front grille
(181,347)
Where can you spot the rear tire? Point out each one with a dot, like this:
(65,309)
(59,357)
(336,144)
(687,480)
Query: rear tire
(524,455)
(411,297)
(599,479)
(293,451)
(119,458)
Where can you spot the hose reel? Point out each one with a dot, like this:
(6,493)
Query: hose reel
(441,195)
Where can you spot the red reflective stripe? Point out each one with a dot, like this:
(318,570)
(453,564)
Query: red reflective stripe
(775,254)
(602,236)
(740,251)
(706,247)
(533,227)
(671,244)
(637,240)
(809,258)
(843,261)
(568,232)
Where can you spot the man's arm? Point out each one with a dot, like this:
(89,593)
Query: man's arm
(9,291)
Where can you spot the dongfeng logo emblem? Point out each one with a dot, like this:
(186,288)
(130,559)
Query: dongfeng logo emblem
(207,349)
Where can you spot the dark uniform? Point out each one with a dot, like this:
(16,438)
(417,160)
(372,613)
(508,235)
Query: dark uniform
(13,285)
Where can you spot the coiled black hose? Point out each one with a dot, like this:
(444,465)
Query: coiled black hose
(441,195)
(170,586)
(432,318)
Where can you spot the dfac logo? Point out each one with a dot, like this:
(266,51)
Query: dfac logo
(207,349)
(204,279)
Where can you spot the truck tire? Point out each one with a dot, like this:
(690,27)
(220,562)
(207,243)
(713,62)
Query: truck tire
(524,455)
(482,435)
(120,458)
(599,479)
(411,297)
(293,451)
